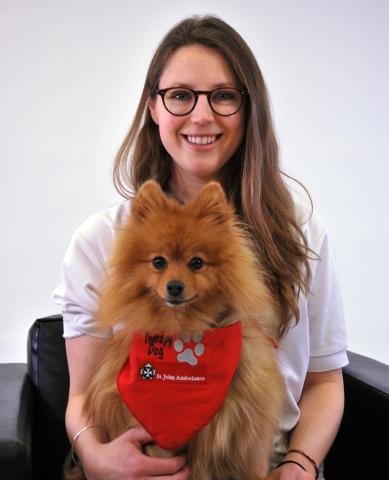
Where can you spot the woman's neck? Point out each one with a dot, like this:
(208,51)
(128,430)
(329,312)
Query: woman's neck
(186,187)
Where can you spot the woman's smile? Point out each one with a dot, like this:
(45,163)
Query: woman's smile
(200,140)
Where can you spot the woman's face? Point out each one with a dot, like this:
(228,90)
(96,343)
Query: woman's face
(199,68)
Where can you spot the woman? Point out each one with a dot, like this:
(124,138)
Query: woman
(204,114)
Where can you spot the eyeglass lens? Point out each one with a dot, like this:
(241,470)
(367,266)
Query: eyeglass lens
(180,101)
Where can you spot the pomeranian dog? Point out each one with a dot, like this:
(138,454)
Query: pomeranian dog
(185,291)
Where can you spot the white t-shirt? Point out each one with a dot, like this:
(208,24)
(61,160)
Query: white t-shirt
(317,343)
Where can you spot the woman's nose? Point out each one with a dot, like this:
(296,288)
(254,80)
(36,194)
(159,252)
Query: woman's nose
(202,113)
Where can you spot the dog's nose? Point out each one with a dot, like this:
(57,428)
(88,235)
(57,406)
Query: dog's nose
(175,287)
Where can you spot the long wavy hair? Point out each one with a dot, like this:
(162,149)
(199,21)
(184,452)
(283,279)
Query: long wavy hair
(253,182)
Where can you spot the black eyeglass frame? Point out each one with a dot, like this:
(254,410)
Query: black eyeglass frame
(196,93)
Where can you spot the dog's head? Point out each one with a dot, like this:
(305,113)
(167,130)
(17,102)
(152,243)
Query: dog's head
(180,267)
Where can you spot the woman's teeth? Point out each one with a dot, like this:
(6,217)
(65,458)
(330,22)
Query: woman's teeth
(201,140)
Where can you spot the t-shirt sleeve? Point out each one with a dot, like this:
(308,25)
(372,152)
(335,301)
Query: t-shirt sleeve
(327,329)
(83,273)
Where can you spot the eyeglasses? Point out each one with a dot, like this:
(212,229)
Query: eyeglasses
(181,101)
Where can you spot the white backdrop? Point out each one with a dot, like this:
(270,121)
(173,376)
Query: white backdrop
(71,76)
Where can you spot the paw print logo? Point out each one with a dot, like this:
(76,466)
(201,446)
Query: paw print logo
(148,372)
(188,355)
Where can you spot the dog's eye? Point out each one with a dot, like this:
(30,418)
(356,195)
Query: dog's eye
(159,263)
(196,263)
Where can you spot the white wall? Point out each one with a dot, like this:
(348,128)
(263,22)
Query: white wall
(71,75)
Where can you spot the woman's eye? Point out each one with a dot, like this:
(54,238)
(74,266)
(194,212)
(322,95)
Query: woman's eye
(196,263)
(179,95)
(224,95)
(159,263)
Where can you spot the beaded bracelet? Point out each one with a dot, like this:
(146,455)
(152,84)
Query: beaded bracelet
(75,438)
(310,459)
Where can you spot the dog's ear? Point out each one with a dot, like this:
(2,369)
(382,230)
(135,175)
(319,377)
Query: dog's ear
(211,202)
(149,198)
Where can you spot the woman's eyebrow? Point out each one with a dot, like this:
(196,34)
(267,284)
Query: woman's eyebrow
(215,86)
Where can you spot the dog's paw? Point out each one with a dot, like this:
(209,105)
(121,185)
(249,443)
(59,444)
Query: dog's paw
(188,355)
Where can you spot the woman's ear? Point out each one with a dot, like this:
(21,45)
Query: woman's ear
(153,110)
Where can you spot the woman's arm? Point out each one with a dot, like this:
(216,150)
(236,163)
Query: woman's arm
(121,459)
(321,409)
(83,355)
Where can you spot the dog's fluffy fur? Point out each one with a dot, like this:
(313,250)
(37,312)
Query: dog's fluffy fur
(237,443)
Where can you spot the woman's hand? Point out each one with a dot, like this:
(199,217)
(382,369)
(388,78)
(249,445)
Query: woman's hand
(123,459)
(290,471)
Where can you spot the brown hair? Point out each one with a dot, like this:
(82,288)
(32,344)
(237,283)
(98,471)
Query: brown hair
(253,183)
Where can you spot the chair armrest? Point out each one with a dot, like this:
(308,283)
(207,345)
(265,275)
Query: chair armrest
(48,371)
(360,448)
(16,407)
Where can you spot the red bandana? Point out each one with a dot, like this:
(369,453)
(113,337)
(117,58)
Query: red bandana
(174,386)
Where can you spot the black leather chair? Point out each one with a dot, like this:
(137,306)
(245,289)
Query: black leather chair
(33,441)
(33,397)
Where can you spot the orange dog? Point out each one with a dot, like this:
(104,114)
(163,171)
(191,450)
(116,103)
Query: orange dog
(181,279)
